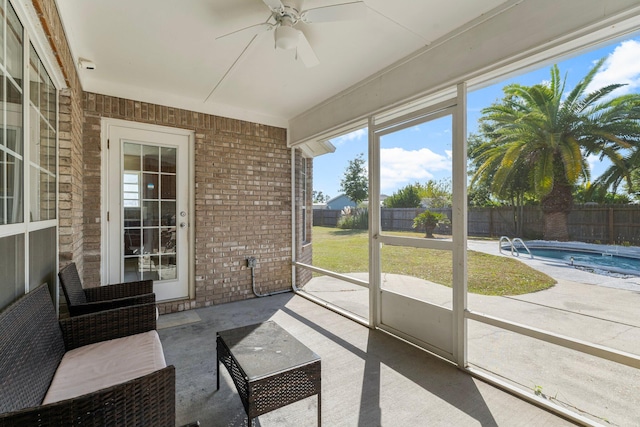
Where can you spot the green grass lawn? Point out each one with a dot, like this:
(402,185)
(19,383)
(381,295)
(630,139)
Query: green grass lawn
(347,251)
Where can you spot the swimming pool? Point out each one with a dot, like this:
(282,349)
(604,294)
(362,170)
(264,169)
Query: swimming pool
(605,261)
(600,258)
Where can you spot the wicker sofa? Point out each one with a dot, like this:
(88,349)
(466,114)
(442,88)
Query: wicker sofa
(35,347)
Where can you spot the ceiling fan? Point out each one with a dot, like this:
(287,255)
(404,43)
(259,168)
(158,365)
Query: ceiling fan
(284,18)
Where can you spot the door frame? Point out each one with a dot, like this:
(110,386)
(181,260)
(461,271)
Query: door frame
(105,127)
(452,335)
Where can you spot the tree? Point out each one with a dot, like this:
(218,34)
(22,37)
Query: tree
(594,193)
(516,192)
(540,137)
(319,197)
(406,197)
(634,187)
(437,194)
(355,182)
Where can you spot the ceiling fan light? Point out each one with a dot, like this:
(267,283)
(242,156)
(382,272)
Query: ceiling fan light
(287,37)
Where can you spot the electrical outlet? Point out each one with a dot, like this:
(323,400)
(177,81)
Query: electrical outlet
(252,262)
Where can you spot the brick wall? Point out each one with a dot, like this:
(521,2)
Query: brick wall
(71,169)
(242,194)
(242,198)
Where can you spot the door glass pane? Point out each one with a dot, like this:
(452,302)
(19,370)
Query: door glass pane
(131,157)
(416,200)
(150,186)
(168,213)
(131,192)
(168,163)
(150,213)
(168,186)
(151,158)
(149,218)
(167,270)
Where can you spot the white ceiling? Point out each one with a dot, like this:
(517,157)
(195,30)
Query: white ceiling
(166,52)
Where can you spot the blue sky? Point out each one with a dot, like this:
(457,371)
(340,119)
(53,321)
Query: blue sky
(424,152)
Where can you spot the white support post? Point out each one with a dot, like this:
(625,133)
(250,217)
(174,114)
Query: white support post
(375,273)
(294,257)
(459,225)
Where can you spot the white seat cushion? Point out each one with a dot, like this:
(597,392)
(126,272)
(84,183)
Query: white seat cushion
(100,365)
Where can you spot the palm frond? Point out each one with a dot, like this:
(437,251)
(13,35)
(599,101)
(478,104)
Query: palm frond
(543,178)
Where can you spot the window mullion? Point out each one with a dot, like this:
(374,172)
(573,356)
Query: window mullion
(26,152)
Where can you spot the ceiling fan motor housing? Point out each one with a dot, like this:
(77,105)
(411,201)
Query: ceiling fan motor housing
(286,36)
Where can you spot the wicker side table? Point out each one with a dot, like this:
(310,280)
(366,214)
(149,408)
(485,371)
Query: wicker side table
(269,367)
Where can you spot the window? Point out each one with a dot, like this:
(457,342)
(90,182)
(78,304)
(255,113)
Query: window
(42,140)
(11,135)
(304,173)
(28,162)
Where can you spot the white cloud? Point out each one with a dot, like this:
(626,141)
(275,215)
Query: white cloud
(400,167)
(593,160)
(622,66)
(353,136)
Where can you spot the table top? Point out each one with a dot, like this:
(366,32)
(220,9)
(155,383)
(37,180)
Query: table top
(266,349)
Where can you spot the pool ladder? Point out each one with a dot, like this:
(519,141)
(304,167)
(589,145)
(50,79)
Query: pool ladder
(514,250)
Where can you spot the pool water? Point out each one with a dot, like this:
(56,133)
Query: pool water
(599,260)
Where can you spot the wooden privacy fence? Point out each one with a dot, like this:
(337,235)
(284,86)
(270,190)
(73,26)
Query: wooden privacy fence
(614,224)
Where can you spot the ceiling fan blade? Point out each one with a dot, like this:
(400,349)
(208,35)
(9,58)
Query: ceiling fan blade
(338,12)
(305,52)
(252,30)
(274,5)
(234,65)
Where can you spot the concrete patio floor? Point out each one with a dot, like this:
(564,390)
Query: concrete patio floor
(373,379)
(368,377)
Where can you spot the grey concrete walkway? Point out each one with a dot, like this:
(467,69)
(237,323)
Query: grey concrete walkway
(594,308)
(368,377)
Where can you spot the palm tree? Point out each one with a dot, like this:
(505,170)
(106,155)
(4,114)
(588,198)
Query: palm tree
(540,135)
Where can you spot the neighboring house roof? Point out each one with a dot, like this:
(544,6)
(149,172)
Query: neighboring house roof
(340,202)
(339,196)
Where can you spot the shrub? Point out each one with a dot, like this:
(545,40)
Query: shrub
(354,218)
(428,221)
(407,197)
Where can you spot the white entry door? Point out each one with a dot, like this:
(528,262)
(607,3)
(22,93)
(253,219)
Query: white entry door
(148,200)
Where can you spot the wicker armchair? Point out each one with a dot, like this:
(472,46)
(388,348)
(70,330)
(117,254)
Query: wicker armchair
(32,344)
(90,300)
